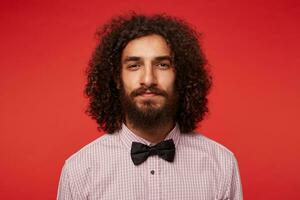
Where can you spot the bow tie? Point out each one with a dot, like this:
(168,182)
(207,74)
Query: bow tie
(140,152)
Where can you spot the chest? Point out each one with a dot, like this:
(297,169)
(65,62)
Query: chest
(155,179)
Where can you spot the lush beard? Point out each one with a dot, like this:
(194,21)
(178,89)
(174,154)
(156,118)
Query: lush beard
(147,116)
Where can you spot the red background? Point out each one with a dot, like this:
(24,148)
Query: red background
(253,49)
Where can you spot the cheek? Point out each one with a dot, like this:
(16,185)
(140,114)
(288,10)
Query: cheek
(129,82)
(167,82)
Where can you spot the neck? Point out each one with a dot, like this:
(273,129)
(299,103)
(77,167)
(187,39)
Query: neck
(155,135)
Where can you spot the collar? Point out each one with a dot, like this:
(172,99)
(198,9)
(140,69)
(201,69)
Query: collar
(127,136)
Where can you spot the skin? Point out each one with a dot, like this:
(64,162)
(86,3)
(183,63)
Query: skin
(146,61)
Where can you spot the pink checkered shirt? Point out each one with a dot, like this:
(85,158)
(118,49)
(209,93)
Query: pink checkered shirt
(202,169)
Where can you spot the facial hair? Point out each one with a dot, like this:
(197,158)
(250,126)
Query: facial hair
(148,117)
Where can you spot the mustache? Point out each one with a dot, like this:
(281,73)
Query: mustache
(143,90)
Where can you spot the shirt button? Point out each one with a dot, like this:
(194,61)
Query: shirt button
(152,172)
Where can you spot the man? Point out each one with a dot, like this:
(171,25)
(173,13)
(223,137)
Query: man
(147,88)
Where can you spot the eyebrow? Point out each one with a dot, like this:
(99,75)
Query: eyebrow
(136,58)
(131,58)
(161,58)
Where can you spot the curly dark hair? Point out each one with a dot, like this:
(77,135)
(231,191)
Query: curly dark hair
(193,80)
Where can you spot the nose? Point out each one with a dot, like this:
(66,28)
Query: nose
(149,77)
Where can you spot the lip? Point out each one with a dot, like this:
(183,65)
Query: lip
(148,95)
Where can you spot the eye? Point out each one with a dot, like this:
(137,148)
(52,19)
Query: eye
(133,66)
(163,65)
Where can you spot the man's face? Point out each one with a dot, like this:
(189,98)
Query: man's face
(148,79)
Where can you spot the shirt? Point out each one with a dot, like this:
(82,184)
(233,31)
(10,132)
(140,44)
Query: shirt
(202,169)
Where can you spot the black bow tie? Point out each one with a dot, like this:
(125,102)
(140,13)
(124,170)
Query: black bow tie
(140,152)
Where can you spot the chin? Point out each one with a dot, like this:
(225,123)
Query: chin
(149,104)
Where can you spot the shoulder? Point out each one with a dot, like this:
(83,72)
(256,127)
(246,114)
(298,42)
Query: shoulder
(91,154)
(213,154)
(203,145)
(76,173)
(217,158)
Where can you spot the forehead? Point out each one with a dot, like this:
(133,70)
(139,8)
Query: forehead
(147,47)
